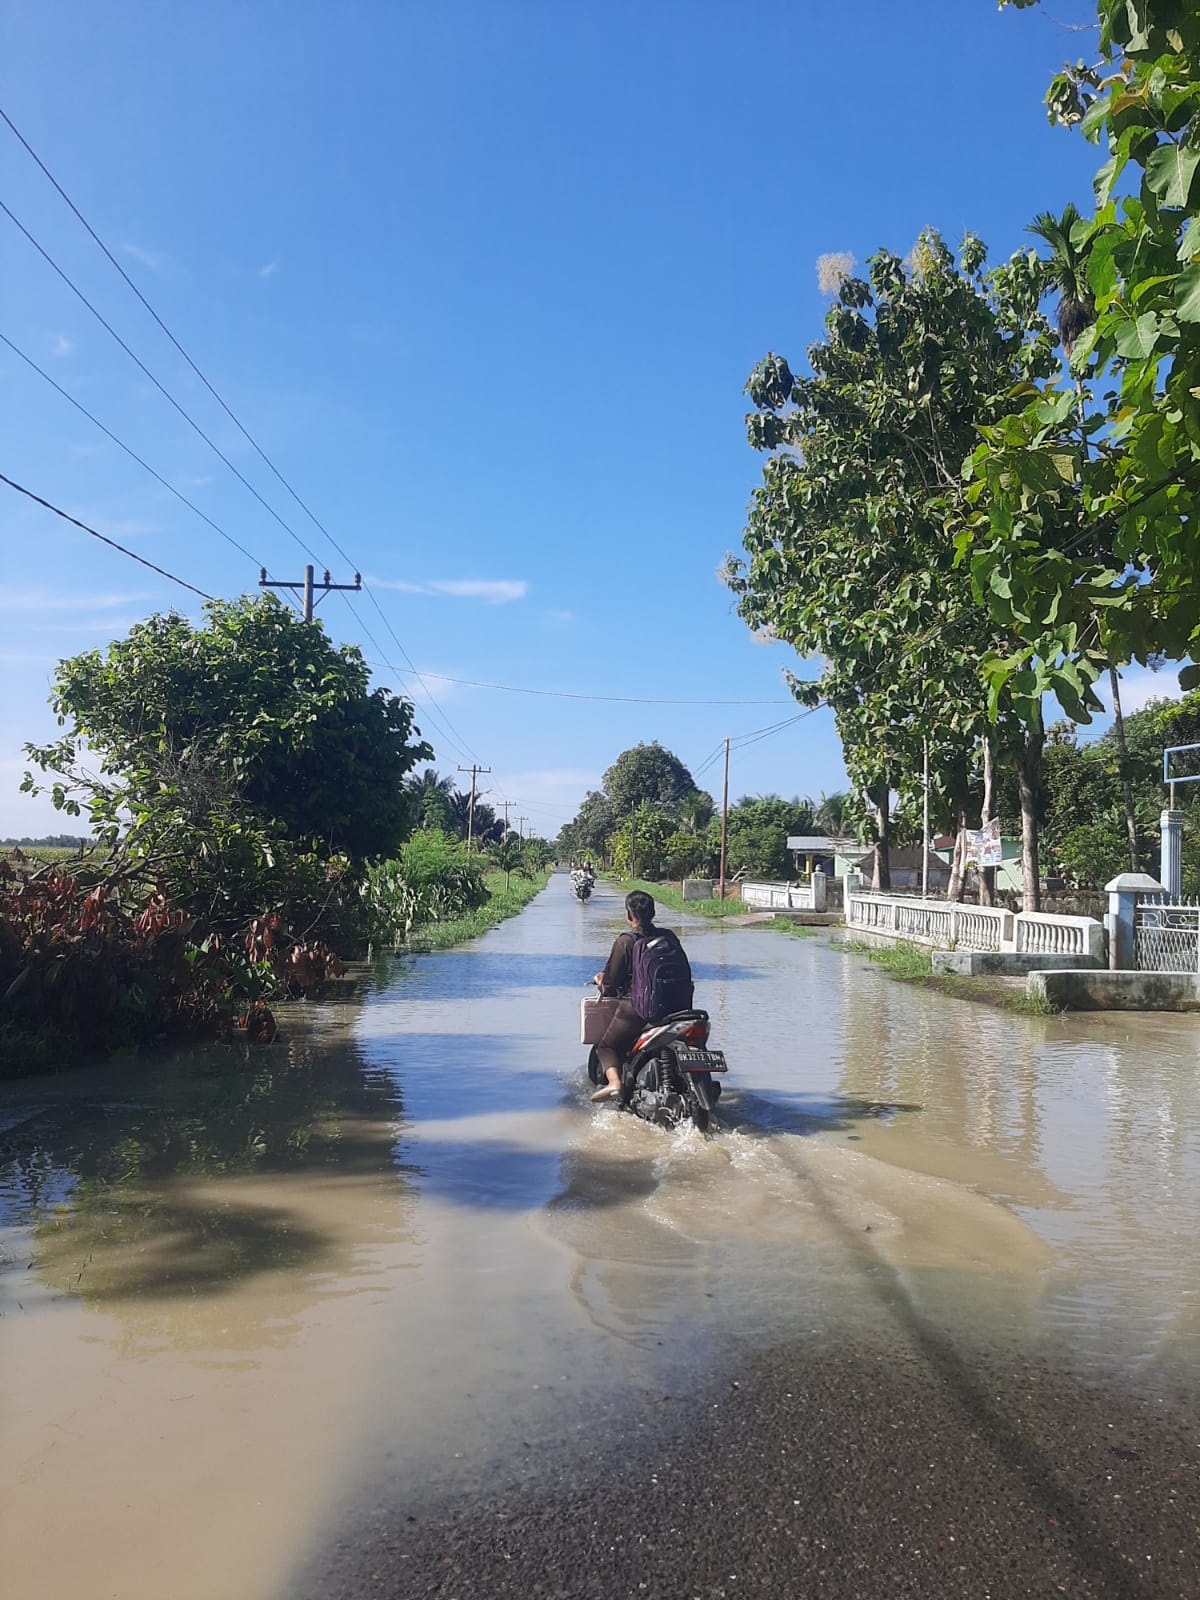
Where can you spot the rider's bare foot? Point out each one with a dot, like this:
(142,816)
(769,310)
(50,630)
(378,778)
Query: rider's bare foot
(607,1092)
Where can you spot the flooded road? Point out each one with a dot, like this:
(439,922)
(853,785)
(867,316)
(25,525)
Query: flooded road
(398,1257)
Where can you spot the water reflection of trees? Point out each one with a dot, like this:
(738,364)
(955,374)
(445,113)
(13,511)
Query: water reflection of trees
(184,1178)
(972,1070)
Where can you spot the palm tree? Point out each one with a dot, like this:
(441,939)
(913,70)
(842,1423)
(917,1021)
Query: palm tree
(1066,271)
(430,799)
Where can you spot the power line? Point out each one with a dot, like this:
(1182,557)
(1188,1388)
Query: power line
(132,454)
(229,412)
(565,694)
(166,394)
(460,747)
(66,516)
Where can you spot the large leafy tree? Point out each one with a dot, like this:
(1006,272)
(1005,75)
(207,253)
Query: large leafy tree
(1085,545)
(251,736)
(647,774)
(757,833)
(850,551)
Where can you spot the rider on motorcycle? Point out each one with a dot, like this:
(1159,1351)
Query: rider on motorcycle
(626,1026)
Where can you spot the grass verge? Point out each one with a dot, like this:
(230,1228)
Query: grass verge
(664,895)
(501,904)
(913,963)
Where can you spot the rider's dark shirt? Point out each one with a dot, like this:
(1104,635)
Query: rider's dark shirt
(617,978)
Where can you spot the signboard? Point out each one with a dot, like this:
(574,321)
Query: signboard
(983,844)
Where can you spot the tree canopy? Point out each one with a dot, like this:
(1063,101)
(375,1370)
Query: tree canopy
(1085,542)
(253,726)
(647,774)
(850,542)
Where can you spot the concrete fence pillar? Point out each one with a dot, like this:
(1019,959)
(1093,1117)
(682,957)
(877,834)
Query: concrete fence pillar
(1171,828)
(817,884)
(1123,894)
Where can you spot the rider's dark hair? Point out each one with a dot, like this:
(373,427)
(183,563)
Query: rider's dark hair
(640,907)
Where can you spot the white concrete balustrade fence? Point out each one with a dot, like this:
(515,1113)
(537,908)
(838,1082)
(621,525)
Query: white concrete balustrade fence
(786,896)
(950,926)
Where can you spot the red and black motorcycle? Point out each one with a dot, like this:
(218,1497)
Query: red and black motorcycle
(671,1074)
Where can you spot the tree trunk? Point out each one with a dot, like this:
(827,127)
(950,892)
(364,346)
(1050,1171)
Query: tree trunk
(958,864)
(1029,778)
(987,875)
(881,803)
(1123,759)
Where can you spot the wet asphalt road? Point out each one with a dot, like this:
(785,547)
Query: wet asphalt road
(818,1473)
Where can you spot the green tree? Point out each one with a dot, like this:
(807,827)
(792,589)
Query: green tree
(850,541)
(431,798)
(647,774)
(590,831)
(230,753)
(758,831)
(1085,543)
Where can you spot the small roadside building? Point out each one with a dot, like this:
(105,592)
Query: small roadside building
(904,865)
(816,852)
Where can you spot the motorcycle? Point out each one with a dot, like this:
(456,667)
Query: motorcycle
(582,883)
(671,1072)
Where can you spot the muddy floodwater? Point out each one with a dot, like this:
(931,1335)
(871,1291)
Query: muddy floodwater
(241,1295)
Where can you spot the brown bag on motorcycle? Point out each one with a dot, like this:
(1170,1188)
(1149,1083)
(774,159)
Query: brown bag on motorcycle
(594,1016)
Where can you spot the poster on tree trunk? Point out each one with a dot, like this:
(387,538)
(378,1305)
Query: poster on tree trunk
(982,845)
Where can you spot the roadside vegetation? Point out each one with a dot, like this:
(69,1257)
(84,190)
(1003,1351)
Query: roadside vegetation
(252,818)
(910,963)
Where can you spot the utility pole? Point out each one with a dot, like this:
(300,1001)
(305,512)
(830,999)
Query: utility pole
(474,770)
(326,586)
(521,821)
(925,829)
(633,841)
(507,803)
(724,818)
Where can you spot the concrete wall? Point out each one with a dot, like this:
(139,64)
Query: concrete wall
(1116,991)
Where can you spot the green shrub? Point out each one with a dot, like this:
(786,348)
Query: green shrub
(432,880)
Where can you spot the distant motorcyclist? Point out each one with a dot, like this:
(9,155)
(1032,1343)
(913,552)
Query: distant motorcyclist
(620,980)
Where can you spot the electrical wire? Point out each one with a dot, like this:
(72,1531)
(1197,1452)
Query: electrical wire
(229,412)
(104,539)
(132,454)
(166,394)
(565,694)
(458,746)
(291,532)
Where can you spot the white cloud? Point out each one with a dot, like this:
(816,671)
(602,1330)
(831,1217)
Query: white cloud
(1141,685)
(497,592)
(148,258)
(269,271)
(561,616)
(23,602)
(398,584)
(63,346)
(493,591)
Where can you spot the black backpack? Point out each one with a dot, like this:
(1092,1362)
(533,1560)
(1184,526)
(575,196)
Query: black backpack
(662,976)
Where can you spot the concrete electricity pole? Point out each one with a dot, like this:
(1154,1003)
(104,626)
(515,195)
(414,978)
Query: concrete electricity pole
(474,771)
(724,818)
(326,586)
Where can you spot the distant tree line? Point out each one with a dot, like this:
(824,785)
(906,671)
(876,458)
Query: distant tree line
(650,816)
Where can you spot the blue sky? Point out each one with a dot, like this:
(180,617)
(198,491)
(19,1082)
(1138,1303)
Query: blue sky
(485,281)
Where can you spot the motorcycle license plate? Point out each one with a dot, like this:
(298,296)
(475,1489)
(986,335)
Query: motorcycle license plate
(701,1060)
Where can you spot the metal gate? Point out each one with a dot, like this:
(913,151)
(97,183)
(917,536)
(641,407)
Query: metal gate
(1166,937)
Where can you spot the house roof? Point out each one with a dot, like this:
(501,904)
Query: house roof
(810,841)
